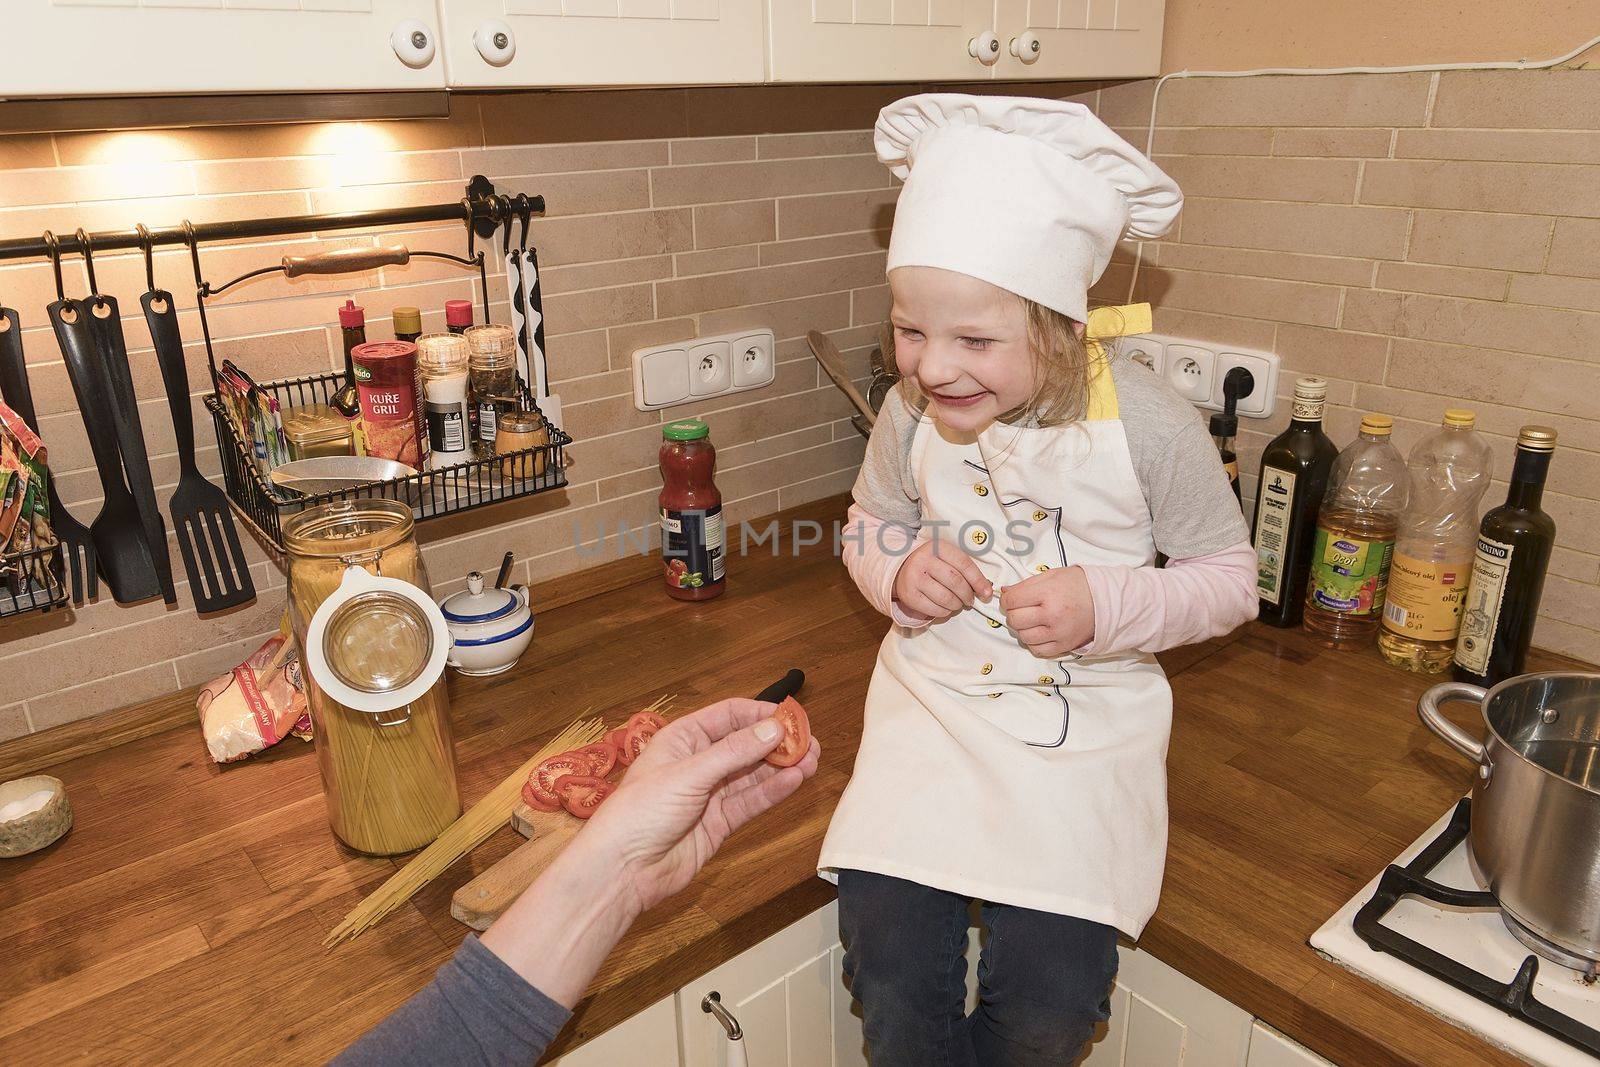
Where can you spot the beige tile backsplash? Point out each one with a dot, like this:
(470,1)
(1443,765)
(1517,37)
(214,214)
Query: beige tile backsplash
(1420,240)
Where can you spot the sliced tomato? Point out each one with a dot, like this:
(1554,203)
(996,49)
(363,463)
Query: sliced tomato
(581,794)
(656,721)
(602,757)
(615,736)
(543,780)
(635,740)
(796,734)
(531,797)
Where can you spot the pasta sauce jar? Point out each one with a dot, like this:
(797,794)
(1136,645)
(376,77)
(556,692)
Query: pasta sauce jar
(692,537)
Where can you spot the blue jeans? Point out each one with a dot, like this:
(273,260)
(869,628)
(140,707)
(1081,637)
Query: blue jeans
(1044,980)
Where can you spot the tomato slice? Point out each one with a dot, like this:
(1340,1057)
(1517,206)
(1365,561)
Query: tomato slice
(582,794)
(602,757)
(650,717)
(635,740)
(796,734)
(542,782)
(531,797)
(615,736)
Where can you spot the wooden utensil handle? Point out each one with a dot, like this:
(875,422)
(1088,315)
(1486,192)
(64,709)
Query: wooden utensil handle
(481,901)
(828,355)
(346,260)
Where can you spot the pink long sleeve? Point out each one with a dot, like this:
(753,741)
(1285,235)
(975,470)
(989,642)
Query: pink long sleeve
(874,549)
(1149,609)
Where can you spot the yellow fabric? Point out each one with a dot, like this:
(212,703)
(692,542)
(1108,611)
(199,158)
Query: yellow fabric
(1124,321)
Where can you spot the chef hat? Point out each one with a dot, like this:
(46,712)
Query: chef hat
(1027,194)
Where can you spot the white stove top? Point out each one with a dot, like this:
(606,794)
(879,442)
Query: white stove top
(1475,938)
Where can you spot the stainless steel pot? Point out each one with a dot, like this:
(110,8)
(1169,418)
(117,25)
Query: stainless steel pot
(1535,836)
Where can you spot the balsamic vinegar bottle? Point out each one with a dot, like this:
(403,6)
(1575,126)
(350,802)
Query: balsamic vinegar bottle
(1294,476)
(1514,543)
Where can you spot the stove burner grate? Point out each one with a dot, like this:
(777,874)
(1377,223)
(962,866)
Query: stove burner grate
(1514,998)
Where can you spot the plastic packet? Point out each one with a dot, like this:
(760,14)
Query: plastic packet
(255,705)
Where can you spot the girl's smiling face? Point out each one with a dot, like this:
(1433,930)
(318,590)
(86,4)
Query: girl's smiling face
(963,341)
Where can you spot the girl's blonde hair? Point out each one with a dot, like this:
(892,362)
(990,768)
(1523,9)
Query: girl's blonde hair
(1063,365)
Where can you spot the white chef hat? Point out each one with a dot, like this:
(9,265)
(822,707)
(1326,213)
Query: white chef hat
(1027,194)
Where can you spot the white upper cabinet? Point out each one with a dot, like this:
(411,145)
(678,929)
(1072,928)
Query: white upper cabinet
(1071,39)
(881,40)
(119,47)
(509,43)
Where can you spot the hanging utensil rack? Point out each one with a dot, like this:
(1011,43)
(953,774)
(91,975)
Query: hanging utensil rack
(41,585)
(431,493)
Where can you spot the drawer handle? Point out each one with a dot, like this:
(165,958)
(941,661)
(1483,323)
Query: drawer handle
(711,1004)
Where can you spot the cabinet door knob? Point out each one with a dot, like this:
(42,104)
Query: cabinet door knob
(495,42)
(985,48)
(1027,47)
(413,42)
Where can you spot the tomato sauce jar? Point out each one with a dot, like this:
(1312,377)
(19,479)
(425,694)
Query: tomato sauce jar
(692,537)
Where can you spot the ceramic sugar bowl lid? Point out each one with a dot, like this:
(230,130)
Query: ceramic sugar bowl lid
(476,606)
(376,644)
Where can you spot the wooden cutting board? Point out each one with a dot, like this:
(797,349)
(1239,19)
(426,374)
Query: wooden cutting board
(482,900)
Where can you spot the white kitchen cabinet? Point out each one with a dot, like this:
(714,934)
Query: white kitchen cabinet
(648,1039)
(120,47)
(1268,1048)
(508,43)
(1071,39)
(788,998)
(1161,1018)
(876,40)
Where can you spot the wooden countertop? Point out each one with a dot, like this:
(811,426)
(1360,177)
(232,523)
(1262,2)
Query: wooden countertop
(182,918)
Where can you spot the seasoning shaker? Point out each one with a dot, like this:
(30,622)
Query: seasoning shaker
(521,429)
(442,364)
(493,366)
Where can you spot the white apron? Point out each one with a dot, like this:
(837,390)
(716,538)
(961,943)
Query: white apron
(984,770)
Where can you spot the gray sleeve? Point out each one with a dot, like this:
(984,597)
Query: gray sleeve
(1192,508)
(477,1010)
(885,487)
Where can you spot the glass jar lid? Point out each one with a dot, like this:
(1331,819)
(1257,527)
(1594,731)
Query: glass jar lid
(377,642)
(442,353)
(492,345)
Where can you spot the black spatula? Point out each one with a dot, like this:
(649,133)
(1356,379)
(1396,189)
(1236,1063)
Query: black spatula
(77,546)
(219,575)
(119,539)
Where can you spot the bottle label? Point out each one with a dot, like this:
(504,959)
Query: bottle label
(1348,574)
(1307,410)
(447,427)
(486,422)
(1481,614)
(692,546)
(1274,509)
(1424,598)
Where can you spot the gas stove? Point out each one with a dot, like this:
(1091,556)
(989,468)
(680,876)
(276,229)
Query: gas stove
(1426,930)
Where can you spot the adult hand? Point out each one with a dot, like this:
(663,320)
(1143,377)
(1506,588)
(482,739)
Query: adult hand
(938,579)
(699,780)
(1051,613)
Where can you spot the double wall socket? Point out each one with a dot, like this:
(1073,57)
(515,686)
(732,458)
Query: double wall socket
(694,370)
(1196,370)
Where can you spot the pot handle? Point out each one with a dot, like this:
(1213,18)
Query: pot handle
(1453,735)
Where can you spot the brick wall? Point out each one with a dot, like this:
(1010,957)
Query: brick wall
(1421,241)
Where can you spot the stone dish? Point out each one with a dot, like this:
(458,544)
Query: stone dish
(37,829)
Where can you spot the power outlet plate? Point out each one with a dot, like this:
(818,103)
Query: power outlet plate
(677,373)
(1197,369)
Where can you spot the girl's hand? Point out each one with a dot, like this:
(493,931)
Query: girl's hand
(938,580)
(1051,613)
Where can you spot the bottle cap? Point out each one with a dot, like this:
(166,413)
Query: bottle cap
(1311,388)
(685,430)
(407,320)
(352,317)
(1460,417)
(1377,423)
(458,312)
(442,353)
(1537,439)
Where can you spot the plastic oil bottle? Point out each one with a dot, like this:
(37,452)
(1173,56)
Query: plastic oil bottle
(1434,547)
(1367,490)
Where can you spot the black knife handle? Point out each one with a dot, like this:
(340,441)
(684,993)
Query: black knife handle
(787,686)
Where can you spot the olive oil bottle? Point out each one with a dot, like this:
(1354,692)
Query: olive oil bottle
(1514,543)
(1294,477)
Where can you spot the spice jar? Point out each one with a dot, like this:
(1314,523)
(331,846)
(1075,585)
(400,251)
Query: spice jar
(442,363)
(317,430)
(494,374)
(391,401)
(389,778)
(521,429)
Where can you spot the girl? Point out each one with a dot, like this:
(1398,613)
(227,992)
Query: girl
(1016,489)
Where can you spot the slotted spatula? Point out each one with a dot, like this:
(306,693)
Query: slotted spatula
(219,575)
(77,546)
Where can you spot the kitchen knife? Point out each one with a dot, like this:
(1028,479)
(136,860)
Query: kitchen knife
(787,686)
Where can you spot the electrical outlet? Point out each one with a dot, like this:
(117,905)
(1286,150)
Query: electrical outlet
(1263,368)
(680,371)
(1149,352)
(752,360)
(710,369)
(1189,371)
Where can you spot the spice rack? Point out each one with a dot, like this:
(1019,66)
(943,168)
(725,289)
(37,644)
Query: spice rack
(33,593)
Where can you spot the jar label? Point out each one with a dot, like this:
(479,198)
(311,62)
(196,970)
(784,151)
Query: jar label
(1348,574)
(692,546)
(1424,598)
(1485,595)
(486,422)
(447,427)
(1274,508)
